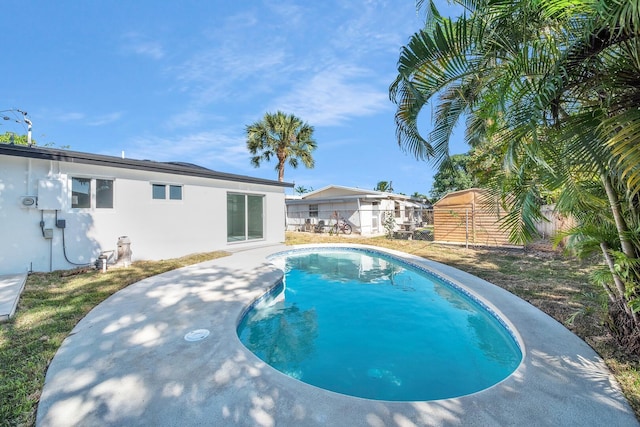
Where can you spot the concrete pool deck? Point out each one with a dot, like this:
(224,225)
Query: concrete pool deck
(128,363)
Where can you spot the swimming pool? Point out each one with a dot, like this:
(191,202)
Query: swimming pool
(127,362)
(366,324)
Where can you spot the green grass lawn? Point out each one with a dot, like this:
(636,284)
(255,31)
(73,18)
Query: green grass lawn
(49,308)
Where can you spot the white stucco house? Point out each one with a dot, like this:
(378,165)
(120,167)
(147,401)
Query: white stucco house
(60,209)
(363,209)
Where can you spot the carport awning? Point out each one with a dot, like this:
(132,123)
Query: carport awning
(413,205)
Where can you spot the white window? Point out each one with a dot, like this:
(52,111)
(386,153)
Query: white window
(166,191)
(91,192)
(313,211)
(104,193)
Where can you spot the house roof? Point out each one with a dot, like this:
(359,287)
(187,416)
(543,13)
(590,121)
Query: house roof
(179,168)
(333,190)
(335,193)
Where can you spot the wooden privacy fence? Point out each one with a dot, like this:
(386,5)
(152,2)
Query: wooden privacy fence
(468,224)
(471,217)
(555,222)
(476,225)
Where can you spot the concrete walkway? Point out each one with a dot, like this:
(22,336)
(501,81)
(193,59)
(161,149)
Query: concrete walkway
(11,287)
(128,363)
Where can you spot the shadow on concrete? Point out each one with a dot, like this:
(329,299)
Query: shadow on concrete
(128,363)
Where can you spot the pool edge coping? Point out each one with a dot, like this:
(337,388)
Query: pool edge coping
(556,386)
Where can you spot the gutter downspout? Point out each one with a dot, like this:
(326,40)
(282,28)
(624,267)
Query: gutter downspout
(28,177)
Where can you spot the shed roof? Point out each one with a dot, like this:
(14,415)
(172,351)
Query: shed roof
(470,197)
(179,168)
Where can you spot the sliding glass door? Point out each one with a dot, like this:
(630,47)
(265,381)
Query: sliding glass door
(245,217)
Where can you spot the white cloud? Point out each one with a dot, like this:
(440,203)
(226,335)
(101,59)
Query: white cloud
(212,149)
(333,96)
(105,119)
(292,14)
(74,116)
(69,116)
(189,118)
(287,57)
(139,44)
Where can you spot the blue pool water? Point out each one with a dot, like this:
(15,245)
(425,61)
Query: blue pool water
(367,325)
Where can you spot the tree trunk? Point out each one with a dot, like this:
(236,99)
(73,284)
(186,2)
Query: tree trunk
(282,158)
(281,169)
(281,172)
(623,328)
(621,225)
(616,279)
(625,323)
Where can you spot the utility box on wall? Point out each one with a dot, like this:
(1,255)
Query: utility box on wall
(50,194)
(28,202)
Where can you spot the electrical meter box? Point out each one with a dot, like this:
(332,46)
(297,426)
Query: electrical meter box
(50,194)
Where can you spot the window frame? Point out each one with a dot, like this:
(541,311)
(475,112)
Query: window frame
(99,200)
(168,194)
(92,195)
(245,222)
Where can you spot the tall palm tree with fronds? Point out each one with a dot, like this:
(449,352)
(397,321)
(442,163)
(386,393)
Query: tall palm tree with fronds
(553,88)
(283,136)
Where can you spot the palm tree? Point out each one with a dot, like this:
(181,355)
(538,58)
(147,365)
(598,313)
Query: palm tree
(552,87)
(301,189)
(384,186)
(283,136)
(418,196)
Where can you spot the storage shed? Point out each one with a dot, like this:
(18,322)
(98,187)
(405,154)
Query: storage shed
(468,217)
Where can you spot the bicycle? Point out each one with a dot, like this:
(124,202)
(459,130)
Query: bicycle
(343,226)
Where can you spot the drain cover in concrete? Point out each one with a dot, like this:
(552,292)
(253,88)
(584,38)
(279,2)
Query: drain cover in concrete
(197,335)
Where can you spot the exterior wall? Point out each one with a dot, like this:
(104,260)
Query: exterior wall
(387,207)
(297,214)
(370,217)
(365,218)
(157,229)
(298,218)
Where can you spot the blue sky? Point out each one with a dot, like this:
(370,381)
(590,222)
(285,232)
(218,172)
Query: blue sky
(180,80)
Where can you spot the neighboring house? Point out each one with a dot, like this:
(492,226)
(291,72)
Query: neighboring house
(60,208)
(364,210)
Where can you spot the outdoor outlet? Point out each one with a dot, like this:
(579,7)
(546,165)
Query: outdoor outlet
(48,233)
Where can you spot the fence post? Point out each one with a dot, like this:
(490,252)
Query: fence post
(466,235)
